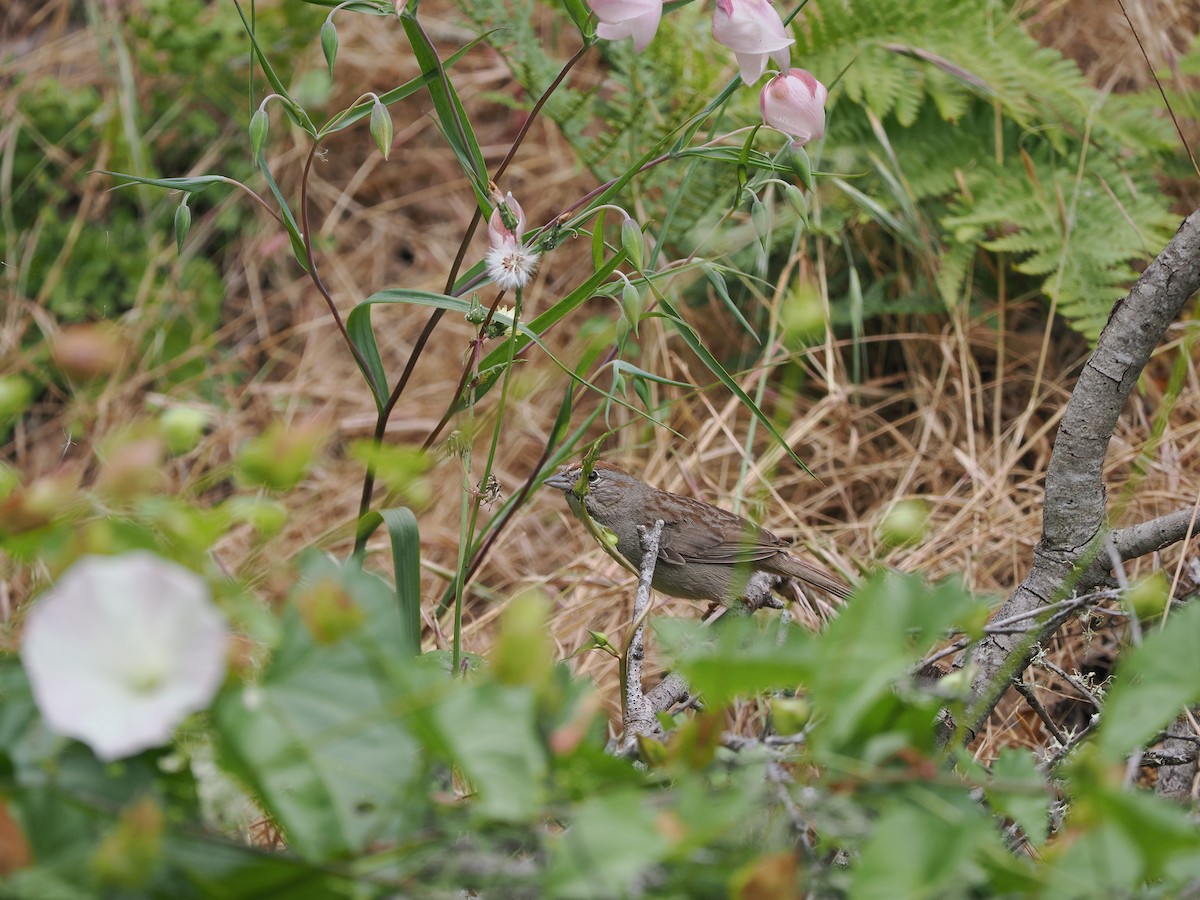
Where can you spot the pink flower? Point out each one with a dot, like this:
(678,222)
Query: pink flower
(498,232)
(637,19)
(754,32)
(794,103)
(510,264)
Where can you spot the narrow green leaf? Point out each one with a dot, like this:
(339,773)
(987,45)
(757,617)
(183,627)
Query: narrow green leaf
(406,563)
(348,117)
(362,335)
(557,312)
(294,110)
(717,279)
(371,9)
(450,115)
(289,220)
(192,185)
(580,15)
(692,339)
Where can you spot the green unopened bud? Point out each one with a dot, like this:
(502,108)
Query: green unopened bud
(183,224)
(760,219)
(260,124)
(631,302)
(381,128)
(795,198)
(329,44)
(631,242)
(797,158)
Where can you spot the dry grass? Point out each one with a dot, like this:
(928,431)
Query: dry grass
(930,421)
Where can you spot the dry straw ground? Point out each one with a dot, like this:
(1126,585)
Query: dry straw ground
(952,411)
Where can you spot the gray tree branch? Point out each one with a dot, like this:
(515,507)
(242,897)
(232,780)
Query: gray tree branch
(1074,518)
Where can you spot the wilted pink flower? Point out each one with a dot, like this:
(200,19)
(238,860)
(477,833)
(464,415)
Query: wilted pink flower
(794,103)
(122,649)
(510,264)
(619,19)
(754,32)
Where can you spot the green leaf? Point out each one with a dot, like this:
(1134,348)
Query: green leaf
(871,647)
(449,111)
(926,843)
(191,185)
(322,740)
(552,316)
(299,250)
(742,657)
(489,732)
(1155,681)
(348,117)
(405,537)
(612,840)
(1019,791)
(294,110)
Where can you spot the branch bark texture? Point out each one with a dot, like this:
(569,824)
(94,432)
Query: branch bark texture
(1074,508)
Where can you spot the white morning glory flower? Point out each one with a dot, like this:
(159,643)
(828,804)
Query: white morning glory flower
(122,649)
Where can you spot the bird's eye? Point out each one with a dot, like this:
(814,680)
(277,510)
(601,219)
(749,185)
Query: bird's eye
(592,476)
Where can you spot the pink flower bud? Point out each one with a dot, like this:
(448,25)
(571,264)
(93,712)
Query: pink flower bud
(637,19)
(754,32)
(498,232)
(794,103)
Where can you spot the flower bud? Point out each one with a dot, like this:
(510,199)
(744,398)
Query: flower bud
(498,230)
(754,32)
(637,19)
(381,128)
(329,43)
(631,303)
(183,224)
(760,219)
(631,242)
(260,123)
(794,103)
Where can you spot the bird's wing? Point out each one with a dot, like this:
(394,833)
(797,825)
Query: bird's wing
(713,535)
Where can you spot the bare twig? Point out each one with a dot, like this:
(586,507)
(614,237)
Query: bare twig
(1030,696)
(637,713)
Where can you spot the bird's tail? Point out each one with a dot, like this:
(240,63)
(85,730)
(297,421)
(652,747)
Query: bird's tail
(784,564)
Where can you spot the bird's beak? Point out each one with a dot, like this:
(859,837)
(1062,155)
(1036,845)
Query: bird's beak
(559,481)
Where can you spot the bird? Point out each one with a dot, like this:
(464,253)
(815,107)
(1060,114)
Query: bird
(705,552)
